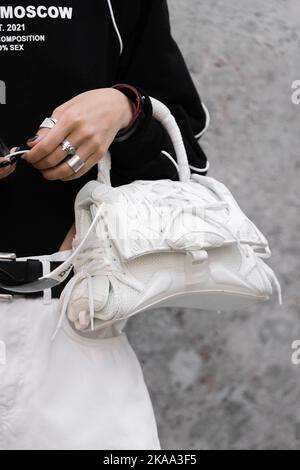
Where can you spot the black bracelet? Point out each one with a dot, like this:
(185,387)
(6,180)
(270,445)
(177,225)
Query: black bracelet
(138,100)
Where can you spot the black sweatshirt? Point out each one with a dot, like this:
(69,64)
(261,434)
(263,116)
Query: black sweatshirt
(49,54)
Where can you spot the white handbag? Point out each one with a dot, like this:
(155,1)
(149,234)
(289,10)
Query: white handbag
(162,243)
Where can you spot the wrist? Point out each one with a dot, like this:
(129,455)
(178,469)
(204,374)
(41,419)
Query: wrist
(126,109)
(137,100)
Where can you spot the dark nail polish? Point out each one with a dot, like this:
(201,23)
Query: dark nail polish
(32,139)
(4,164)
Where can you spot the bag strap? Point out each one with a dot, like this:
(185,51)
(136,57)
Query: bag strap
(163,115)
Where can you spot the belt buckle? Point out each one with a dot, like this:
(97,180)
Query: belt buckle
(7,257)
(6,298)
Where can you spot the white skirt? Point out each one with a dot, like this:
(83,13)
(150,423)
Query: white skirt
(74,392)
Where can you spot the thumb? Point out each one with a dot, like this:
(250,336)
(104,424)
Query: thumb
(8,167)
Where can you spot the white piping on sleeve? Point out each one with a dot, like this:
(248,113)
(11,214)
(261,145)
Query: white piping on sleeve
(194,168)
(115,25)
(207,122)
(171,158)
(201,170)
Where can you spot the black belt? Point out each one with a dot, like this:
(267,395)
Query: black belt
(14,273)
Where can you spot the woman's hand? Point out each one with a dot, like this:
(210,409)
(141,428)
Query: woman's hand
(90,122)
(4,172)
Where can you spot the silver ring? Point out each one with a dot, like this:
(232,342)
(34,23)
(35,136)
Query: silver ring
(75,163)
(68,147)
(48,123)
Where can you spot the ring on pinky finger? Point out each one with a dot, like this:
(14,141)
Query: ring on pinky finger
(63,171)
(75,163)
(89,164)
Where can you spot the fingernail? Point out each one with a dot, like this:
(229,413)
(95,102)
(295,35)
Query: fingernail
(14,158)
(4,164)
(32,139)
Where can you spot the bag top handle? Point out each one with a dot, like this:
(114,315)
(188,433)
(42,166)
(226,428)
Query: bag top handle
(163,115)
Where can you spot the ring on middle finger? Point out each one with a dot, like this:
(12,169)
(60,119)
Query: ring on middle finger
(68,147)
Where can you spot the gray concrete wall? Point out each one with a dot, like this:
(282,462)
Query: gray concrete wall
(226,382)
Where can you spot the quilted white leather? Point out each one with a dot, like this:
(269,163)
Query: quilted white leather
(164,243)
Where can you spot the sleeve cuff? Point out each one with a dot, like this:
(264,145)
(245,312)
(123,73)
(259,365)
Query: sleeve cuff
(141,122)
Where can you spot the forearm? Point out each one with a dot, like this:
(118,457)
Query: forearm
(67,243)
